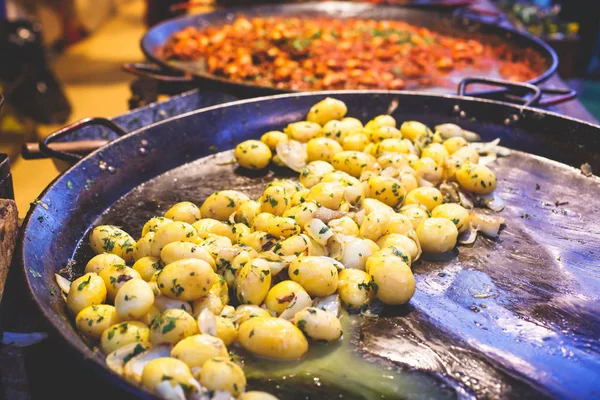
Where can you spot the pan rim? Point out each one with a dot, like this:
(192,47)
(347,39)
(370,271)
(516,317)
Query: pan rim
(543,47)
(51,318)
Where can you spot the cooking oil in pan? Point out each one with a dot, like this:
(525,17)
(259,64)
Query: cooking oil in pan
(338,371)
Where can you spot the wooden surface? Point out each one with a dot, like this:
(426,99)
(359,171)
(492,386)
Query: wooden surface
(8,238)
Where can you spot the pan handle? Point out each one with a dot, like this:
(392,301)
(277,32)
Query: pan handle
(536,92)
(155,72)
(72,157)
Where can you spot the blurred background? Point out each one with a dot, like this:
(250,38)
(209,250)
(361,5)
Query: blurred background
(60,61)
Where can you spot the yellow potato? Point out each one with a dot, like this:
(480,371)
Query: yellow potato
(414,130)
(314,172)
(387,190)
(318,324)
(428,169)
(147,267)
(476,178)
(219,373)
(436,152)
(404,244)
(171,326)
(302,131)
(280,227)
(275,200)
(327,194)
(93,320)
(121,334)
(356,141)
(392,279)
(354,287)
(166,368)
(256,395)
(344,225)
(273,338)
(220,205)
(226,330)
(110,239)
(186,280)
(115,276)
(322,149)
(317,275)
(302,213)
(381,121)
(429,197)
(143,247)
(375,225)
(327,110)
(153,224)
(280,296)
(176,251)
(247,211)
(101,261)
(352,162)
(253,282)
(248,311)
(453,144)
(184,212)
(172,232)
(437,235)
(273,138)
(385,132)
(197,349)
(467,154)
(393,145)
(415,213)
(252,154)
(455,213)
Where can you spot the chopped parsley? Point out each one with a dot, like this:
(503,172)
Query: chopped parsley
(83,284)
(170,325)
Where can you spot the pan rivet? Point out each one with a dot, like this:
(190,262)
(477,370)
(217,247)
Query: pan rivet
(143,151)
(456,108)
(112,170)
(144,142)
(102,165)
(515,117)
(507,121)
(462,114)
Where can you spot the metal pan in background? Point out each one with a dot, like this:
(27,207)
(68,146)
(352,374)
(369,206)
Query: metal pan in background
(515,317)
(158,35)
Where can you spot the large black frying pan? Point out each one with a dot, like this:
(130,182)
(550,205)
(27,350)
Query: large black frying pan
(158,35)
(515,317)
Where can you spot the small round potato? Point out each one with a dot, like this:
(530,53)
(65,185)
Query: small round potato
(153,224)
(147,267)
(273,138)
(404,244)
(165,368)
(314,172)
(164,303)
(176,251)
(318,324)
(247,211)
(256,240)
(414,130)
(226,330)
(381,120)
(248,311)
(455,213)
(354,287)
(110,239)
(134,299)
(302,213)
(299,197)
(317,275)
(428,169)
(296,245)
(275,200)
(429,197)
(387,190)
(280,227)
(215,300)
(322,149)
(371,205)
(197,349)
(326,110)
(119,335)
(115,276)
(355,141)
(436,152)
(186,280)
(184,211)
(171,326)
(385,132)
(398,223)
(344,225)
(256,395)
(392,280)
(375,225)
(87,290)
(220,205)
(437,235)
(352,162)
(253,282)
(335,130)
(143,247)
(476,178)
(273,338)
(302,131)
(357,251)
(219,373)
(327,194)
(172,232)
(101,261)
(453,144)
(280,296)
(467,154)
(394,160)
(150,315)
(393,145)
(415,213)
(252,154)
(93,320)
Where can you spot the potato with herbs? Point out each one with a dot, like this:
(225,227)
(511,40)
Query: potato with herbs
(354,287)
(391,278)
(273,338)
(110,239)
(437,235)
(184,211)
(327,110)
(456,213)
(253,282)
(134,299)
(302,131)
(322,149)
(101,261)
(186,280)
(273,138)
(93,320)
(476,178)
(123,333)
(197,349)
(281,295)
(88,290)
(314,172)
(172,232)
(252,154)
(318,324)
(171,326)
(219,373)
(176,251)
(220,205)
(164,369)
(317,275)
(429,197)
(143,247)
(352,162)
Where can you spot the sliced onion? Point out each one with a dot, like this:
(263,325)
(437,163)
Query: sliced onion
(424,183)
(318,231)
(493,201)
(316,249)
(228,311)
(468,236)
(325,214)
(329,303)
(448,130)
(63,283)
(489,225)
(164,303)
(485,147)
(169,390)
(134,368)
(300,301)
(207,322)
(359,217)
(466,199)
(116,359)
(336,245)
(293,154)
(487,159)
